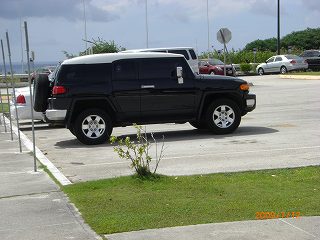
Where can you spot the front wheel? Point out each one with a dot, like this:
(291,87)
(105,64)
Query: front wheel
(93,126)
(223,116)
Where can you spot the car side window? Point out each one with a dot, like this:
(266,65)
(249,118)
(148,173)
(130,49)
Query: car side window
(278,59)
(270,60)
(124,70)
(158,68)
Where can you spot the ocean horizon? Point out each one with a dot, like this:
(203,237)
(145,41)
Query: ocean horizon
(19,68)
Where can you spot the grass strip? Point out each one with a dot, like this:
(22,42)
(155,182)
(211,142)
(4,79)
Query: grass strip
(305,73)
(5,107)
(128,203)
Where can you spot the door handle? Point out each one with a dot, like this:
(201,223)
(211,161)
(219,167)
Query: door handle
(147,86)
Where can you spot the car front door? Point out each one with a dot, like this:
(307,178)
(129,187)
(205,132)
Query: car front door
(269,65)
(277,64)
(163,98)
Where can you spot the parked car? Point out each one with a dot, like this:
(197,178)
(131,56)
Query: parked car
(43,70)
(93,94)
(215,67)
(23,104)
(313,58)
(282,64)
(187,52)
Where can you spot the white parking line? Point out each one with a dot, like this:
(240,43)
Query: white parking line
(243,152)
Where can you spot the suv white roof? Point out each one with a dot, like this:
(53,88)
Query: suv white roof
(111,57)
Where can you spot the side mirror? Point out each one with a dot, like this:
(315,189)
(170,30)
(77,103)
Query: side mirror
(180,75)
(266,62)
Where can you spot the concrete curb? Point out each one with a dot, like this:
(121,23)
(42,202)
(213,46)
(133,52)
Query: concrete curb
(63,180)
(300,77)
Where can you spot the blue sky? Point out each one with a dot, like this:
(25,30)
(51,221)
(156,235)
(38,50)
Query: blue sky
(57,25)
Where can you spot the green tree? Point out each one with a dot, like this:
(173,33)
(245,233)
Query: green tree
(102,46)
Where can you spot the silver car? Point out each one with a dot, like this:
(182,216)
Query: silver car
(282,64)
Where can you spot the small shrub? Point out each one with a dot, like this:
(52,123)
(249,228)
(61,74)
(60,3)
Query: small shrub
(138,151)
(245,67)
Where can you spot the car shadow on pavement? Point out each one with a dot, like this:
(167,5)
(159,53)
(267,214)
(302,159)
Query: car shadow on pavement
(171,136)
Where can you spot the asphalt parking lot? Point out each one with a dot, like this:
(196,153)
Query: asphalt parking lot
(283,131)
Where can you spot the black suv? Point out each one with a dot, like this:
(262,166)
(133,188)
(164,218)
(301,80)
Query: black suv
(92,94)
(313,58)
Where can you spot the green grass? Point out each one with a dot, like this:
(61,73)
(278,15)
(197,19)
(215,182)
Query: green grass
(127,203)
(5,107)
(305,73)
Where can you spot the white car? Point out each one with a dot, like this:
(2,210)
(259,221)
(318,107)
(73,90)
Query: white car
(282,64)
(23,105)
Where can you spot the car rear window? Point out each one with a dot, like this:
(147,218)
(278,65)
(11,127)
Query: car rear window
(182,52)
(193,54)
(291,57)
(84,73)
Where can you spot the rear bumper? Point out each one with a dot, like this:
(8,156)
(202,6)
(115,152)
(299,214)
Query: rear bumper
(52,115)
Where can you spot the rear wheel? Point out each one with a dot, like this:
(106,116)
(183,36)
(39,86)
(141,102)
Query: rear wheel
(93,126)
(212,73)
(283,70)
(223,116)
(260,71)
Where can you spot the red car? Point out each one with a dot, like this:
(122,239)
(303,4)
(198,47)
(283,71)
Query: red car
(215,67)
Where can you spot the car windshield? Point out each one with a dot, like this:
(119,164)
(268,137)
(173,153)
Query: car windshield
(215,62)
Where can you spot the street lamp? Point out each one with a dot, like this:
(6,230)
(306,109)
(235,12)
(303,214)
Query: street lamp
(278,37)
(147,30)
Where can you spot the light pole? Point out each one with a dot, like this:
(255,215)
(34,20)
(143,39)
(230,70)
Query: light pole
(278,37)
(208,22)
(85,26)
(147,30)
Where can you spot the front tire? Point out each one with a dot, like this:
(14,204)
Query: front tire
(93,126)
(223,116)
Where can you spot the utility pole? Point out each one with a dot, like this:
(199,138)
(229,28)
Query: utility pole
(278,37)
(147,28)
(208,25)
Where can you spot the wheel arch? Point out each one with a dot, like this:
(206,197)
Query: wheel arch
(209,98)
(80,105)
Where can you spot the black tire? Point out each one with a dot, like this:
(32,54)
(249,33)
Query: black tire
(283,70)
(260,71)
(97,134)
(198,125)
(223,116)
(212,73)
(40,93)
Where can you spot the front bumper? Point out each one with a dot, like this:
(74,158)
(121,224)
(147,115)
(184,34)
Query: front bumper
(250,102)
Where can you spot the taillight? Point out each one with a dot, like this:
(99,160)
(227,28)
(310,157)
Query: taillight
(21,99)
(58,90)
(293,62)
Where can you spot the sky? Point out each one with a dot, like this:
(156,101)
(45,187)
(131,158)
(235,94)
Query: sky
(55,26)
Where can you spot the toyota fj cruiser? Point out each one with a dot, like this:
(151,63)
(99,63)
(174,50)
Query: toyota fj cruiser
(92,94)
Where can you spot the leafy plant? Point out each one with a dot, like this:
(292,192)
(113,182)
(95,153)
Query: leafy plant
(138,152)
(245,67)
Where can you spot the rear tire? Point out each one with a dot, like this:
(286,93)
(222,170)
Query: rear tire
(40,93)
(212,73)
(92,126)
(223,116)
(283,70)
